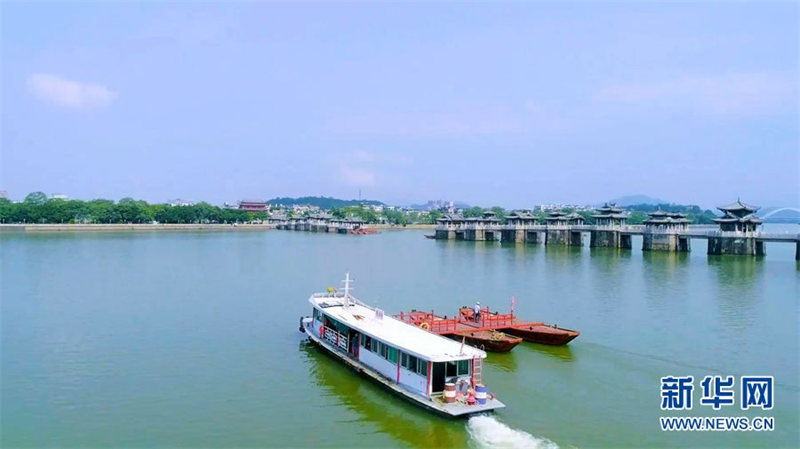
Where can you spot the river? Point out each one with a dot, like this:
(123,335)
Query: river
(190,339)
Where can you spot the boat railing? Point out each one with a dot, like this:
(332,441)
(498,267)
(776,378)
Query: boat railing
(442,325)
(435,324)
(335,338)
(489,319)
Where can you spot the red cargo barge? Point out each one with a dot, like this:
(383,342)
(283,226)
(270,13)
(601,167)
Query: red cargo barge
(532,332)
(482,338)
(495,332)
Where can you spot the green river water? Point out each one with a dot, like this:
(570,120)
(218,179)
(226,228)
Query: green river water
(161,339)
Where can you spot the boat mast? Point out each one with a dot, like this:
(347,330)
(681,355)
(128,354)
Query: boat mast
(347,290)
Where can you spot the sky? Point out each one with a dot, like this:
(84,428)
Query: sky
(511,104)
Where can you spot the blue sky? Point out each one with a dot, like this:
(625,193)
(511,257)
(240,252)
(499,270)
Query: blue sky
(510,104)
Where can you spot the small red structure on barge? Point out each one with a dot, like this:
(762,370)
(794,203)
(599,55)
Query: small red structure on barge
(496,332)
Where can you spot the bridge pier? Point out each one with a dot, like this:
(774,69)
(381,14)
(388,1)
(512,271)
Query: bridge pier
(476,235)
(532,237)
(512,235)
(610,238)
(556,237)
(739,246)
(445,234)
(666,242)
(575,238)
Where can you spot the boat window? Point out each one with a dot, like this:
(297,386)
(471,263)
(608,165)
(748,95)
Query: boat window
(463,367)
(422,367)
(451,369)
(384,350)
(409,362)
(366,342)
(393,355)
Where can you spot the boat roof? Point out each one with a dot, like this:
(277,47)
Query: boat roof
(406,337)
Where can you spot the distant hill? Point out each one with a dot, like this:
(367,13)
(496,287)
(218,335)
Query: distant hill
(631,200)
(323,202)
(694,213)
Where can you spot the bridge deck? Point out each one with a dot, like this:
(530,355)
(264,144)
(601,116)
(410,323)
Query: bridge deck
(694,232)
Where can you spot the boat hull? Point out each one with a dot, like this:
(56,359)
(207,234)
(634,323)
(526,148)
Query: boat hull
(436,405)
(487,341)
(543,334)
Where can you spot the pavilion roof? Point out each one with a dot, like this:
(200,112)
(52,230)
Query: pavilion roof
(609,208)
(730,218)
(739,206)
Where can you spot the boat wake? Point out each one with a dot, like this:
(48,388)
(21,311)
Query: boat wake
(489,433)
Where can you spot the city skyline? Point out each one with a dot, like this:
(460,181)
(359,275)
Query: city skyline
(487,104)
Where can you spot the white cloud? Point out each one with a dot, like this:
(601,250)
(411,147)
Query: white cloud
(65,93)
(740,93)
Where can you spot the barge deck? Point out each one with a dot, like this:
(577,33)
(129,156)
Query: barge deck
(465,326)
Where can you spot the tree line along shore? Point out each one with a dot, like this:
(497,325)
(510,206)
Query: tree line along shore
(37,208)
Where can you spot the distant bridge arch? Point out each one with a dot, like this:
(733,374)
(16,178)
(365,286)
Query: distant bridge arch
(780,210)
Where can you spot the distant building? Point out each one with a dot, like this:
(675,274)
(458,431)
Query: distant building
(3,195)
(303,208)
(58,196)
(180,202)
(253,205)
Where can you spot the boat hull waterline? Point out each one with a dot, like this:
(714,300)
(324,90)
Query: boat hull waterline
(543,334)
(488,340)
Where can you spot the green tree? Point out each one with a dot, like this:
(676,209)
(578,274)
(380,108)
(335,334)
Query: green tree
(474,211)
(433,216)
(395,217)
(102,211)
(338,212)
(637,217)
(500,213)
(36,198)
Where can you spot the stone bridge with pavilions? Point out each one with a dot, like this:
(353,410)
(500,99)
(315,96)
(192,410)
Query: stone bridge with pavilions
(737,231)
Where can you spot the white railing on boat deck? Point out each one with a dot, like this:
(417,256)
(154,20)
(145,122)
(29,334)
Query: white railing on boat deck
(336,338)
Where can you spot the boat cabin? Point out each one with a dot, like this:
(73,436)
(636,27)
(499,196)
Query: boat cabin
(413,358)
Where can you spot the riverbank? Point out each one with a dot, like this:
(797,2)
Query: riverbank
(170,227)
(131,227)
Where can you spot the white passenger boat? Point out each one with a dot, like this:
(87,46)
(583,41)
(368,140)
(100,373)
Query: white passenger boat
(433,371)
